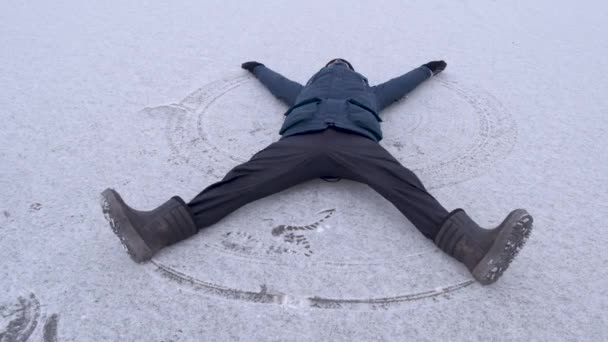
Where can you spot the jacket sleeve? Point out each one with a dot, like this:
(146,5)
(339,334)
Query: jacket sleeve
(396,88)
(284,89)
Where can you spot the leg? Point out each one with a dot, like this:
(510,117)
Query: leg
(279,166)
(365,161)
(487,253)
(143,233)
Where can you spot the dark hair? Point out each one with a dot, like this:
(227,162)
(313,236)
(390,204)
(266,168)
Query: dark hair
(341,59)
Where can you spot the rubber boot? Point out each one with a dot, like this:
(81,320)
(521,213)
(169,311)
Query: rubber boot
(485,252)
(143,233)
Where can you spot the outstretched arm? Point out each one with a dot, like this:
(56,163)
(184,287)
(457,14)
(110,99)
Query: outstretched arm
(396,88)
(283,88)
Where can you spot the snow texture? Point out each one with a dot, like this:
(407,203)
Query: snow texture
(148,97)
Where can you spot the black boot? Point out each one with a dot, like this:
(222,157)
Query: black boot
(436,66)
(486,252)
(143,233)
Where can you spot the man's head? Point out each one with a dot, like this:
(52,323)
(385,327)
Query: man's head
(340,61)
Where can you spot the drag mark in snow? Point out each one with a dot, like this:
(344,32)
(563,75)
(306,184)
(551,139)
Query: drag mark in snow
(483,132)
(183,131)
(245,244)
(264,296)
(382,303)
(493,139)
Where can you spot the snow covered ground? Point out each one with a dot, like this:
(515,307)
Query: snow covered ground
(148,97)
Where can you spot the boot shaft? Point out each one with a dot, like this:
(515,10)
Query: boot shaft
(462,238)
(143,233)
(167,224)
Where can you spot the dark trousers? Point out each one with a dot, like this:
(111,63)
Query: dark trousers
(329,153)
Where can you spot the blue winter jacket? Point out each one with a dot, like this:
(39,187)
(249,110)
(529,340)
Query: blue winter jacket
(337,96)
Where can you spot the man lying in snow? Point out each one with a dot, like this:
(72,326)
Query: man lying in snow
(331,130)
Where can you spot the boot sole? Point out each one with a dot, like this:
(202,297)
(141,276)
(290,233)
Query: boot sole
(113,210)
(518,226)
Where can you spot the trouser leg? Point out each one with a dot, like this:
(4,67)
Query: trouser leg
(279,166)
(368,162)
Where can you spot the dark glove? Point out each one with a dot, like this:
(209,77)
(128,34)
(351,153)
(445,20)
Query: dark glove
(249,66)
(436,66)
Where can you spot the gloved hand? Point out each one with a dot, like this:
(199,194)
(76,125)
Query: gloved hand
(249,66)
(436,66)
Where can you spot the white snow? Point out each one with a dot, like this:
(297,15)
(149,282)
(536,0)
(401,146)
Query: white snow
(97,95)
